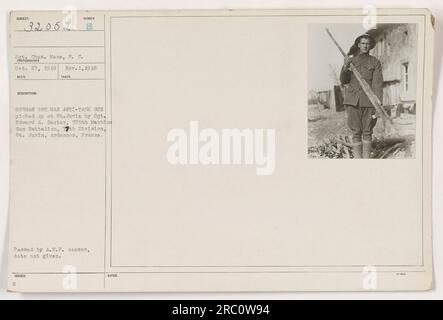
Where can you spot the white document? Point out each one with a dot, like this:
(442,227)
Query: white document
(220,150)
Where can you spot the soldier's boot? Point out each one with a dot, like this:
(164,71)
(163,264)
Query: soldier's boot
(367,149)
(356,149)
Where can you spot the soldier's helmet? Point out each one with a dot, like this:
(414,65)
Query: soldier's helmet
(354,49)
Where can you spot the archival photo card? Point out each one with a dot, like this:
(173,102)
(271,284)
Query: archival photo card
(220,150)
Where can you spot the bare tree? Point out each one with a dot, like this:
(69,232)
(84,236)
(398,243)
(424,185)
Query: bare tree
(334,74)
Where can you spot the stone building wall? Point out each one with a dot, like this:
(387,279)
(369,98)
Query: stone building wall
(396,48)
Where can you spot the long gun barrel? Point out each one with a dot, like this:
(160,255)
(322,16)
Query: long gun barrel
(365,86)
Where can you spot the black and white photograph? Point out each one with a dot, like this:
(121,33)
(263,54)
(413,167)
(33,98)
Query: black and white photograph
(362,91)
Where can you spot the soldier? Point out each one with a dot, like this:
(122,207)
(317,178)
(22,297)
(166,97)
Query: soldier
(359,109)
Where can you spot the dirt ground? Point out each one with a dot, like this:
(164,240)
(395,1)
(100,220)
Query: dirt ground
(326,126)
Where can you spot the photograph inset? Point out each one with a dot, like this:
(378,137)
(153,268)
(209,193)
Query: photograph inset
(362,91)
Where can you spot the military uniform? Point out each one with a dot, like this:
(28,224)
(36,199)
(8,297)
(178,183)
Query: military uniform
(359,108)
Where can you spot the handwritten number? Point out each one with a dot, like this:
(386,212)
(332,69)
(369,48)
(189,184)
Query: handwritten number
(37,26)
(31,24)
